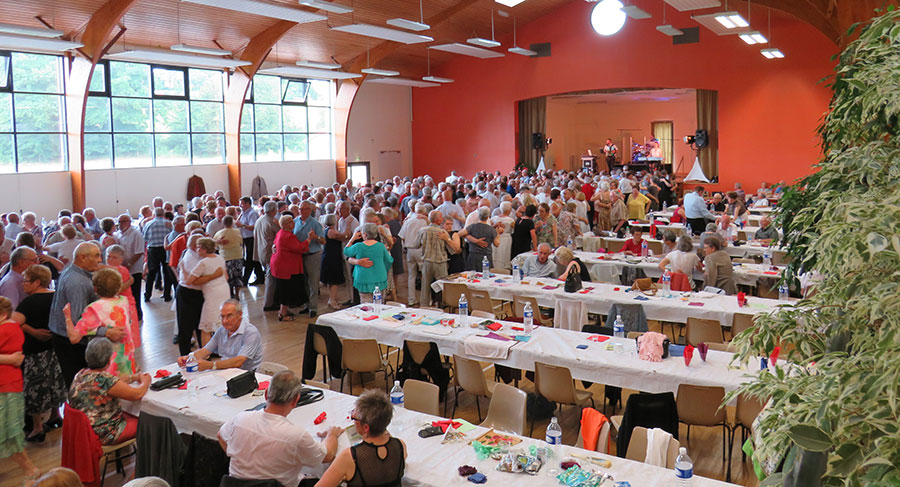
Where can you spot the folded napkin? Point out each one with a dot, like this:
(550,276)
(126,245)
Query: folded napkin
(162,373)
(494,326)
(263,385)
(444,424)
(488,347)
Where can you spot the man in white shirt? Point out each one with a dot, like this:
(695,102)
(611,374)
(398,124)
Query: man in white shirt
(761,200)
(451,210)
(266,445)
(13,227)
(452,178)
(411,227)
(218,223)
(726,229)
(347,224)
(133,242)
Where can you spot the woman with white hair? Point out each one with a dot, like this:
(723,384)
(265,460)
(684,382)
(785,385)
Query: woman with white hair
(602,205)
(212,275)
(505,221)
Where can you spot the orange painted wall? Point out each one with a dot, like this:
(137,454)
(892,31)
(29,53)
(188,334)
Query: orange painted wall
(768,110)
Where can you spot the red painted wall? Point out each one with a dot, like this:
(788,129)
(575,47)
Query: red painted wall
(768,109)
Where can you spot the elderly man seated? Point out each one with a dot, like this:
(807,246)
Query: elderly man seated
(726,229)
(237,342)
(766,233)
(540,265)
(266,445)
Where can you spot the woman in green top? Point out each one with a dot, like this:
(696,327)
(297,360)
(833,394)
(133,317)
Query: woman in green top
(371,261)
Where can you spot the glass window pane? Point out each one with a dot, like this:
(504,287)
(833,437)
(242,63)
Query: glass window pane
(7,153)
(266,89)
(170,116)
(319,93)
(173,150)
(294,118)
(130,115)
(4,71)
(207,117)
(39,113)
(97,151)
(6,118)
(268,147)
(98,78)
(168,82)
(41,152)
(208,148)
(295,90)
(295,147)
(206,85)
(319,119)
(247,118)
(319,146)
(96,114)
(268,118)
(36,72)
(133,150)
(247,148)
(129,79)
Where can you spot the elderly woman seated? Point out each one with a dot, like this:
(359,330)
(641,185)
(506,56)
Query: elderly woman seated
(96,393)
(379,459)
(564,257)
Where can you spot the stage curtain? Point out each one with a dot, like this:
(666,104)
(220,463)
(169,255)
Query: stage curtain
(532,119)
(708,118)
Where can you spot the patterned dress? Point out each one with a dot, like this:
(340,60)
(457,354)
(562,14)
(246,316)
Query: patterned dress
(545,232)
(90,395)
(111,312)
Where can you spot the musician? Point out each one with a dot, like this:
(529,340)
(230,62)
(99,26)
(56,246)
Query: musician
(655,149)
(610,150)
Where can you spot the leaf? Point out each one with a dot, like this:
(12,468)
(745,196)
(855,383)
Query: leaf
(774,480)
(878,461)
(850,457)
(810,438)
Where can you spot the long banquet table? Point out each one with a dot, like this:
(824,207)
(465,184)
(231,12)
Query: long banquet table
(429,463)
(592,242)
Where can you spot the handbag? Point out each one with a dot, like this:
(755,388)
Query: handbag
(573,279)
(242,384)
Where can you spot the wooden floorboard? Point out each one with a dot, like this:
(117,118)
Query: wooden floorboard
(283,343)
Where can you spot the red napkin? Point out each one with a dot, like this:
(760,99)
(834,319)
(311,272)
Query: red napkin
(494,326)
(598,338)
(741,299)
(263,385)
(771,273)
(774,356)
(476,280)
(370,318)
(695,303)
(162,373)
(444,424)
(183,386)
(320,418)
(688,354)
(703,349)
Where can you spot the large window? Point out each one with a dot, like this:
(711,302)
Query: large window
(32,113)
(286,120)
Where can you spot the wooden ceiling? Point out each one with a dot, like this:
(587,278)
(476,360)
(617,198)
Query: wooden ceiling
(161,23)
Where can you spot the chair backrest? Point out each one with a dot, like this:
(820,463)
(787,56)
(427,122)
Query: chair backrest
(361,355)
(451,293)
(703,330)
(613,246)
(229,481)
(592,244)
(748,408)
(519,307)
(742,235)
(271,368)
(507,410)
(780,257)
(721,347)
(637,447)
(483,314)
(632,314)
(655,246)
(422,397)
(741,322)
(680,282)
(431,308)
(480,300)
(418,350)
(649,411)
(602,445)
(631,335)
(554,383)
(570,314)
(395,303)
(605,273)
(497,270)
(319,344)
(700,405)
(81,448)
(470,376)
(317,384)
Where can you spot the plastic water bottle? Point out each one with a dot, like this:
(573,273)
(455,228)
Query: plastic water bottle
(528,319)
(191,367)
(485,267)
(684,468)
(517,278)
(376,299)
(397,395)
(667,284)
(619,327)
(665,207)
(553,439)
(463,309)
(767,259)
(783,293)
(644,248)
(570,244)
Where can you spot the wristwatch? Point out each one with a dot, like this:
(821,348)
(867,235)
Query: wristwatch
(213,364)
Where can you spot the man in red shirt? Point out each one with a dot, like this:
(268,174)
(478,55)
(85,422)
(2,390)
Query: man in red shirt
(633,246)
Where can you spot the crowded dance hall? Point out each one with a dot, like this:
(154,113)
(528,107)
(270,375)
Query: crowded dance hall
(320,243)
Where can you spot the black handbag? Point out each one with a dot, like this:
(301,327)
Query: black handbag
(573,278)
(242,384)
(168,382)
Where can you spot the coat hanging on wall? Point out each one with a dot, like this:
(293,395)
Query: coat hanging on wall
(195,187)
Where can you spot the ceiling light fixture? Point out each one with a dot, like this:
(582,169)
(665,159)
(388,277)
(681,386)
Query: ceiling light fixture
(29,31)
(403,82)
(509,3)
(263,9)
(327,6)
(466,50)
(480,41)
(379,72)
(731,20)
(772,53)
(433,79)
(411,24)
(519,50)
(607,18)
(36,44)
(379,32)
(176,58)
(298,72)
(668,29)
(317,65)
(635,12)
(208,51)
(686,5)
(753,37)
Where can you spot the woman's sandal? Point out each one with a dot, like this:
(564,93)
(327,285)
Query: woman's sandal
(285,317)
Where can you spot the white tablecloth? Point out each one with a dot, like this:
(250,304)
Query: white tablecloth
(548,345)
(429,463)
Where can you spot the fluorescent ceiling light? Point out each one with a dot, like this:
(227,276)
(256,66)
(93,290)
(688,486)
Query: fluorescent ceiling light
(510,3)
(318,65)
(29,31)
(754,37)
(731,20)
(408,24)
(685,5)
(209,51)
(522,51)
(635,12)
(466,50)
(437,79)
(298,72)
(380,72)
(669,30)
(402,82)
(480,41)
(175,58)
(378,32)
(327,6)
(772,53)
(263,9)
(37,44)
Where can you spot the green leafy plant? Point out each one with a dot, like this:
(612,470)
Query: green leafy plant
(834,411)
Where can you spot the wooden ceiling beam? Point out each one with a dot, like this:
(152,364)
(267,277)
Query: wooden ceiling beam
(831,17)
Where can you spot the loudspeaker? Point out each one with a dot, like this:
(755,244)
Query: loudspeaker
(537,141)
(701,138)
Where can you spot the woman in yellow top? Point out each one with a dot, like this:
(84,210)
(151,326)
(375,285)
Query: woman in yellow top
(637,205)
(231,248)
